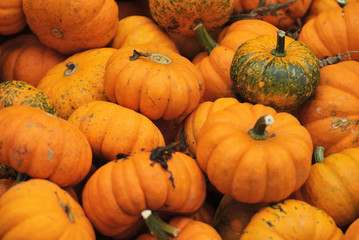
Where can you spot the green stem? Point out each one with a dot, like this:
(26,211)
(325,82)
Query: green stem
(157,226)
(259,132)
(279,51)
(205,39)
(319,154)
(342,3)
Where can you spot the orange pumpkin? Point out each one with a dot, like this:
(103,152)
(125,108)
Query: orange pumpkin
(216,62)
(334,31)
(72,26)
(352,232)
(282,18)
(25,58)
(117,193)
(319,6)
(112,129)
(333,185)
(156,81)
(135,29)
(57,214)
(253,153)
(182,16)
(43,146)
(194,122)
(77,80)
(6,184)
(291,219)
(331,116)
(12,18)
(188,228)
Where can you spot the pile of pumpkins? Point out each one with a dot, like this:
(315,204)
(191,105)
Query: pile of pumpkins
(158,119)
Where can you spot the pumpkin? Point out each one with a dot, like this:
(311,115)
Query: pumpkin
(153,80)
(291,219)
(278,72)
(319,6)
(330,116)
(72,26)
(43,146)
(22,93)
(77,80)
(194,122)
(161,180)
(39,209)
(6,184)
(135,29)
(283,18)
(333,32)
(333,185)
(25,58)
(12,18)
(182,16)
(112,129)
(352,232)
(188,229)
(253,153)
(216,62)
(232,217)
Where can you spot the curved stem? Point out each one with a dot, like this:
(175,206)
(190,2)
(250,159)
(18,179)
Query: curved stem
(279,51)
(71,68)
(319,154)
(157,226)
(259,132)
(205,39)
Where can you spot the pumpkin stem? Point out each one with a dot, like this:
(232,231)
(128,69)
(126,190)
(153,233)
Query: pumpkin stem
(154,57)
(66,208)
(157,226)
(319,154)
(335,59)
(162,154)
(279,51)
(71,68)
(259,132)
(342,3)
(137,54)
(205,39)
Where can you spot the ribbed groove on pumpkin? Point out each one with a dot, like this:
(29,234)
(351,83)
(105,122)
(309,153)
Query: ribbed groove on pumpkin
(66,208)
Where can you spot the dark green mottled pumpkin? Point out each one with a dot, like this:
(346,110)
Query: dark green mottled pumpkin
(278,72)
(22,93)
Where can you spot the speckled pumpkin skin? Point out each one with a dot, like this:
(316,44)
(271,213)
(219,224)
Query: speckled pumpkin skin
(22,93)
(280,82)
(180,16)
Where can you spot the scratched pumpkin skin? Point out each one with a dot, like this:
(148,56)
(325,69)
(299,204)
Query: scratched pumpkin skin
(332,116)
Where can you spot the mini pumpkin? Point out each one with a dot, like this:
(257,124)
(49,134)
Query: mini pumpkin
(153,80)
(291,219)
(22,93)
(43,146)
(25,58)
(331,116)
(182,16)
(117,193)
(136,29)
(278,72)
(72,26)
(57,214)
(77,80)
(333,185)
(12,18)
(352,232)
(334,31)
(253,153)
(112,129)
